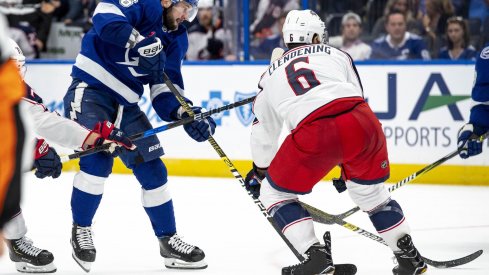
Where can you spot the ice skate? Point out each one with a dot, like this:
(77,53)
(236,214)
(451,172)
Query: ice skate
(409,260)
(28,258)
(318,260)
(181,255)
(83,249)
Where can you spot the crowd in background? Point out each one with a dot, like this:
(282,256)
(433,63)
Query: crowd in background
(366,29)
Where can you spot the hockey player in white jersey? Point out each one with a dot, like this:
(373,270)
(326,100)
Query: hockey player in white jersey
(62,131)
(315,91)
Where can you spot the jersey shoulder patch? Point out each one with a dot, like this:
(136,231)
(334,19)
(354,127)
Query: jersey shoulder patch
(485,53)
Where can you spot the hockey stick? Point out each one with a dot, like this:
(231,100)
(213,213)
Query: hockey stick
(409,178)
(232,168)
(323,217)
(162,128)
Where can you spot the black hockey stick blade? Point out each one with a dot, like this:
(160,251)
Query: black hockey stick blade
(326,218)
(345,269)
(454,263)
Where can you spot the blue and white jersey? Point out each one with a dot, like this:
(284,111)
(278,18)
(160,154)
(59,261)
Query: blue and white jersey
(106,60)
(412,47)
(479,114)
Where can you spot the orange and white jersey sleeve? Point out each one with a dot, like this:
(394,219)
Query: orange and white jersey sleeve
(306,78)
(264,132)
(55,128)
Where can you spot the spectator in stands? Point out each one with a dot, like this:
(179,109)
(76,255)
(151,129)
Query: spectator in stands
(398,43)
(207,38)
(435,22)
(264,49)
(458,40)
(36,14)
(479,9)
(413,24)
(349,41)
(267,15)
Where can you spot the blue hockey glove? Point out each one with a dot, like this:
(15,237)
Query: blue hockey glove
(469,142)
(253,180)
(152,58)
(46,161)
(199,130)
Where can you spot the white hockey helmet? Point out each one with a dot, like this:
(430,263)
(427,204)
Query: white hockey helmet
(17,55)
(301,25)
(205,4)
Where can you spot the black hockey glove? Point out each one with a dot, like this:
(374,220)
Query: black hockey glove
(46,161)
(339,184)
(253,180)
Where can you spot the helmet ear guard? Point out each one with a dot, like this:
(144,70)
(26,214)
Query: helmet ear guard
(301,25)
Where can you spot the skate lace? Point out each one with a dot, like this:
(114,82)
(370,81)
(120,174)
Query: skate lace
(84,237)
(25,245)
(179,245)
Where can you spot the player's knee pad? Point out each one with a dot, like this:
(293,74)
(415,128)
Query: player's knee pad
(151,174)
(15,228)
(368,197)
(90,184)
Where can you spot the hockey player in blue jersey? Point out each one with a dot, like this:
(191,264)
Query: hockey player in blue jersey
(468,135)
(130,44)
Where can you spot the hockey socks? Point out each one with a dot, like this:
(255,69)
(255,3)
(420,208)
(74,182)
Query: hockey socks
(295,222)
(389,221)
(84,206)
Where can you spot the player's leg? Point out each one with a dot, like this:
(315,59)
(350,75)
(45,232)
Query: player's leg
(88,106)
(298,165)
(156,198)
(365,169)
(27,257)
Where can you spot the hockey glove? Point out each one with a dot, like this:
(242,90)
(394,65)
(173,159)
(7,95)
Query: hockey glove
(152,58)
(46,161)
(199,130)
(339,184)
(253,180)
(469,142)
(105,132)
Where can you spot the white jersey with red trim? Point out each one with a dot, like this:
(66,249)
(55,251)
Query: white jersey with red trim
(295,85)
(52,126)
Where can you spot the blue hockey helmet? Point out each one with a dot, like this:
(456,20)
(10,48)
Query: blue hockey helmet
(192,13)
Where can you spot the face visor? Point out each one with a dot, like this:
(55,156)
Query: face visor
(190,7)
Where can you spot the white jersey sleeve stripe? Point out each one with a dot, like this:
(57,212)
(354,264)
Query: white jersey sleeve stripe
(92,68)
(158,89)
(103,7)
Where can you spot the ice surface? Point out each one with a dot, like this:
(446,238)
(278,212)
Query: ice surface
(217,215)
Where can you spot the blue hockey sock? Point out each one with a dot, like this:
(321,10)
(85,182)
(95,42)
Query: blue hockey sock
(84,206)
(387,217)
(162,219)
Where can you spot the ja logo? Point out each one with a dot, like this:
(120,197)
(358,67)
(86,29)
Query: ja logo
(244,112)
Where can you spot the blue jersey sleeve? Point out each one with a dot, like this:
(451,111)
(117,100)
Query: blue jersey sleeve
(115,21)
(479,114)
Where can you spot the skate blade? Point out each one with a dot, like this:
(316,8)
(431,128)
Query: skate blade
(84,265)
(29,268)
(179,264)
